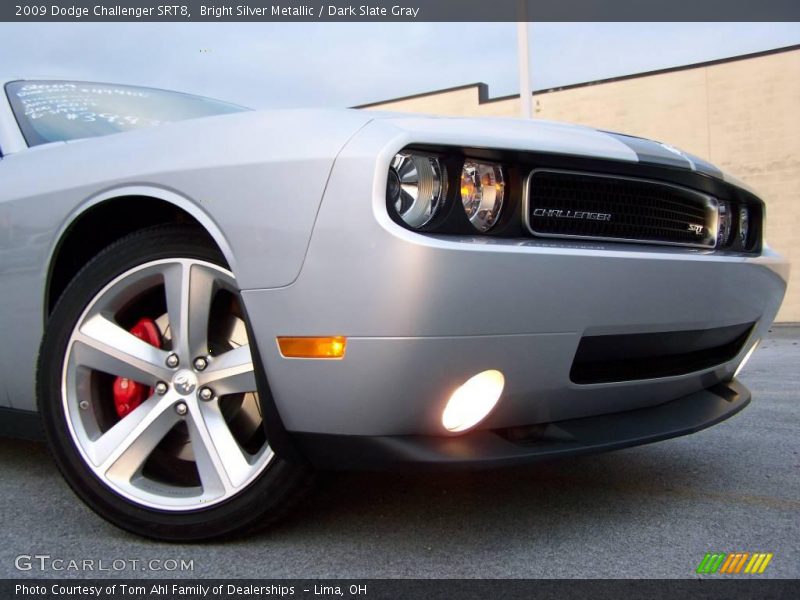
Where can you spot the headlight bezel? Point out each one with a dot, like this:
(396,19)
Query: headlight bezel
(745,226)
(451,217)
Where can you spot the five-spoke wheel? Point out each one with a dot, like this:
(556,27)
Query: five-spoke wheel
(147,388)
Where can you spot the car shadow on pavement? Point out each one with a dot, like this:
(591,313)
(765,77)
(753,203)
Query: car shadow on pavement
(570,491)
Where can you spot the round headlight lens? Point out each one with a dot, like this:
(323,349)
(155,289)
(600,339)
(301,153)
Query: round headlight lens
(416,187)
(482,192)
(744,225)
(724,227)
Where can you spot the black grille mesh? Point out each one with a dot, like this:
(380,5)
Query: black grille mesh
(592,206)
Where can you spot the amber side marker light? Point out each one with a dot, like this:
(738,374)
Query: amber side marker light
(312,347)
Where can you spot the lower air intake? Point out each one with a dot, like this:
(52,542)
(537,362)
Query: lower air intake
(607,358)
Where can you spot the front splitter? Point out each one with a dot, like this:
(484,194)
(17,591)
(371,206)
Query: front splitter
(503,447)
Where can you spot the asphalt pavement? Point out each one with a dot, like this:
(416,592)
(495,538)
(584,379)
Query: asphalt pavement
(651,511)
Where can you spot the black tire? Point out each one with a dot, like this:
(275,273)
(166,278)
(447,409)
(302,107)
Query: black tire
(265,500)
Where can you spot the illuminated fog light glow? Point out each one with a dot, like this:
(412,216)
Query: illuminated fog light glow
(745,359)
(473,401)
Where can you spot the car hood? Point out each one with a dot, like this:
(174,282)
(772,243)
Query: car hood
(538,135)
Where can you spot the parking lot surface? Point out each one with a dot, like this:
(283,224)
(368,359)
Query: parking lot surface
(651,511)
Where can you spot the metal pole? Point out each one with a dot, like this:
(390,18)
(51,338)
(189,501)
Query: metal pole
(525,91)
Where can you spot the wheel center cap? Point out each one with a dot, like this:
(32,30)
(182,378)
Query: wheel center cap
(184,382)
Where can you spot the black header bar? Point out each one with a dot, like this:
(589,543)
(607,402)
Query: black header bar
(711,588)
(398,10)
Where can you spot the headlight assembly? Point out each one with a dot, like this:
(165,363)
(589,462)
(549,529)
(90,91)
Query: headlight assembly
(744,226)
(416,187)
(482,192)
(484,195)
(724,228)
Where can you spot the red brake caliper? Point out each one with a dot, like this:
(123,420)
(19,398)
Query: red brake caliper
(129,394)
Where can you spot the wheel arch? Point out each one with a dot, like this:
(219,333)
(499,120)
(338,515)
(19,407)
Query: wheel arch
(74,246)
(121,211)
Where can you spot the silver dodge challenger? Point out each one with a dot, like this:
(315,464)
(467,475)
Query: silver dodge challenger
(203,304)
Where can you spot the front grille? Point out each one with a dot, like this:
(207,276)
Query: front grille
(606,207)
(627,357)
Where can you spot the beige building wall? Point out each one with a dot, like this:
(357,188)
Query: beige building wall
(742,114)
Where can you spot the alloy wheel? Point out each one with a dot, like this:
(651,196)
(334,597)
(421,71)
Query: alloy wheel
(198,438)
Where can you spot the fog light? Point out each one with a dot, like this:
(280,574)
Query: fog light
(745,359)
(473,401)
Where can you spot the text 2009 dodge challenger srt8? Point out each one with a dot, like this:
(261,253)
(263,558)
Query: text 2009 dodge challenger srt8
(219,300)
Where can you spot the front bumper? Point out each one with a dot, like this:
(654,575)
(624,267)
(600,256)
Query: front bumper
(423,313)
(423,324)
(494,448)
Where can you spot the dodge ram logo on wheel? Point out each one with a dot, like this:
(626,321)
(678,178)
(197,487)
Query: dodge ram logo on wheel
(185,383)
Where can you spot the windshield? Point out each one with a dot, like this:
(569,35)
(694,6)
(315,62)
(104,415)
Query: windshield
(56,111)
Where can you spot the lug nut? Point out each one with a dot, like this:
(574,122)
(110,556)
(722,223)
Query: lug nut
(161,388)
(173,360)
(200,363)
(181,408)
(205,394)
(83,404)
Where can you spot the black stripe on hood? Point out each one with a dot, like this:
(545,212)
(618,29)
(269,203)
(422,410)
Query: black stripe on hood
(653,153)
(656,153)
(705,167)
